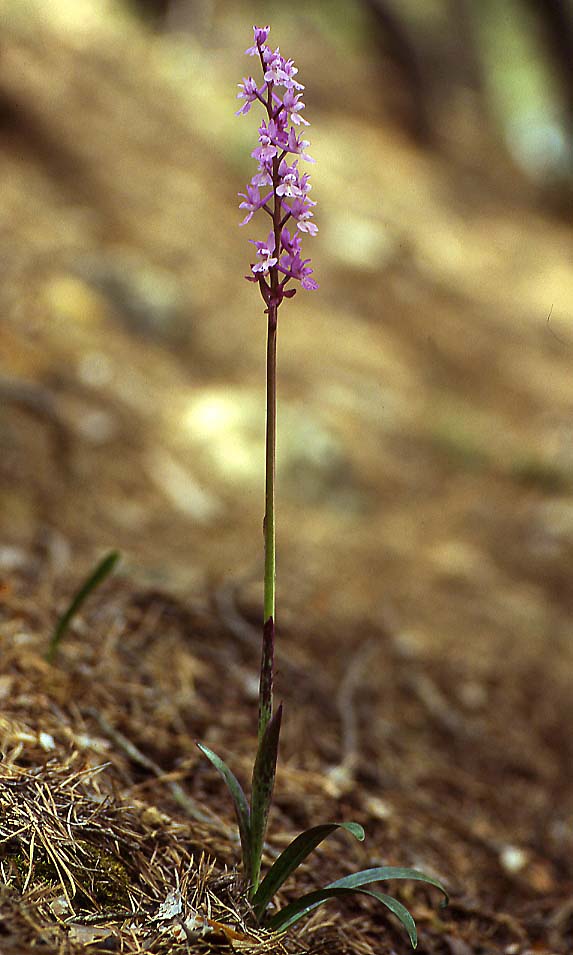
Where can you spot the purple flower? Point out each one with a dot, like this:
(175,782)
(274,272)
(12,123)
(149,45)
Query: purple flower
(288,71)
(260,36)
(267,54)
(296,268)
(284,187)
(267,150)
(265,252)
(281,72)
(307,283)
(292,103)
(274,64)
(305,226)
(289,181)
(306,187)
(248,92)
(280,120)
(277,132)
(297,145)
(252,201)
(299,210)
(263,177)
(290,244)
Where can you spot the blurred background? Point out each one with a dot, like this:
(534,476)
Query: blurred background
(426,390)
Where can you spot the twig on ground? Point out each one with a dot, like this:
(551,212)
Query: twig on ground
(343,773)
(438,707)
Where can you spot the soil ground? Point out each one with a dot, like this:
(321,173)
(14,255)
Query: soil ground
(425,645)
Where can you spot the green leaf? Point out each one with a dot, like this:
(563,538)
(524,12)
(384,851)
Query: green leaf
(267,675)
(102,570)
(264,772)
(239,801)
(291,914)
(381,873)
(291,858)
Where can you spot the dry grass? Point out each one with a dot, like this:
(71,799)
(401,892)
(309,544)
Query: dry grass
(82,866)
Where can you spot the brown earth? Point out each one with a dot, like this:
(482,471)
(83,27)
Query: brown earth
(425,501)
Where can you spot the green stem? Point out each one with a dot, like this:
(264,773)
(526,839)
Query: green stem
(270,569)
(265,704)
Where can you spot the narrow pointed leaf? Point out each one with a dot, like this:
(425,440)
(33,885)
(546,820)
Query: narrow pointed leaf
(264,772)
(291,914)
(97,576)
(399,910)
(381,873)
(293,855)
(239,801)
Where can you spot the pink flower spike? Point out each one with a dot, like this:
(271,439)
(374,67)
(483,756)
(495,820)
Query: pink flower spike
(278,187)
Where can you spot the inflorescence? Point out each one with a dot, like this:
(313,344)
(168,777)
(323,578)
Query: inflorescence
(278,180)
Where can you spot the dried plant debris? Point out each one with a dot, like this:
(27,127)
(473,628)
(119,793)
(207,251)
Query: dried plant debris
(79,866)
(110,822)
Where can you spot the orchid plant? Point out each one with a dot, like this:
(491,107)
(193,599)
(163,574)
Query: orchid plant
(281,190)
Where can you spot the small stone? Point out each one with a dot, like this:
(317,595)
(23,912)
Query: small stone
(513,859)
(60,906)
(378,808)
(47,742)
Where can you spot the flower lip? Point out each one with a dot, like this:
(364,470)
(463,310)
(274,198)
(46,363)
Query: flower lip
(290,184)
(265,252)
